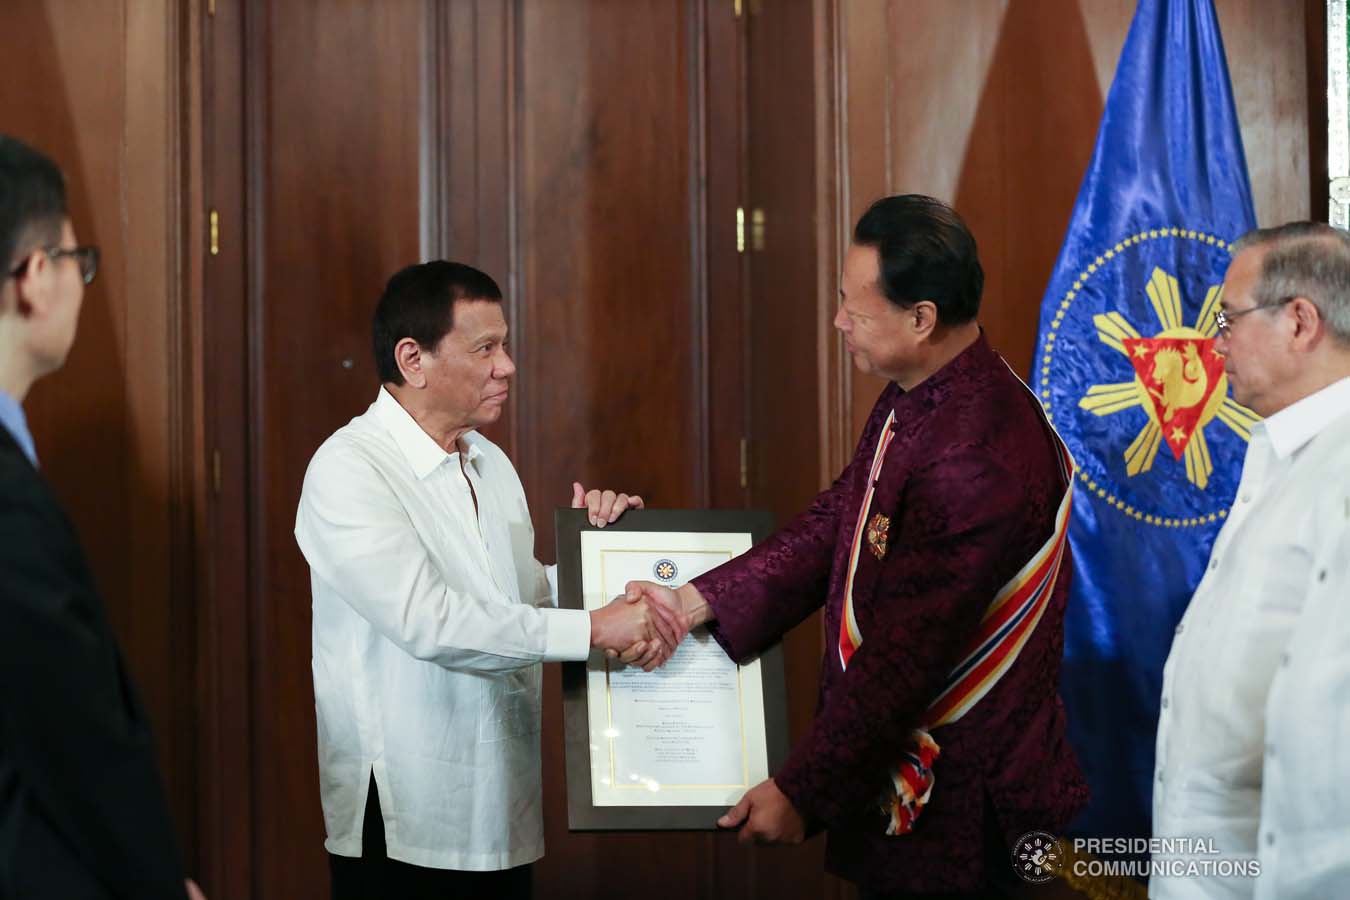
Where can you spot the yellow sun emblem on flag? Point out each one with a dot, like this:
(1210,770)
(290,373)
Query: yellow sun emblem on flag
(1179,380)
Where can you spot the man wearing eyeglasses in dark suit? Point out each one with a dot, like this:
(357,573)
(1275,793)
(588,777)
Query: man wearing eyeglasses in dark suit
(82,807)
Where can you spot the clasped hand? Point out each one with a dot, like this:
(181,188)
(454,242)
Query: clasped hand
(640,631)
(641,628)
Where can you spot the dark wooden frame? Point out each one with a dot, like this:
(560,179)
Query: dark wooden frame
(582,814)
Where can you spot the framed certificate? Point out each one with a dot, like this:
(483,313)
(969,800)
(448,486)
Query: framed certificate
(677,747)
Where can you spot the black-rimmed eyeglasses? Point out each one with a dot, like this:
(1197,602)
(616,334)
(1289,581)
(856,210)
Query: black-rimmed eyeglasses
(85,257)
(1223,319)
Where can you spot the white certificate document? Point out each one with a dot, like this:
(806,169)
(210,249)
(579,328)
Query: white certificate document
(692,732)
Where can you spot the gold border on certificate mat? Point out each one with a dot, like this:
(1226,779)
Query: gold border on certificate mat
(609,704)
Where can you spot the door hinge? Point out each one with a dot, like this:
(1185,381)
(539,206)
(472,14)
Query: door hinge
(757,230)
(740,229)
(210,7)
(738,6)
(214,228)
(745,463)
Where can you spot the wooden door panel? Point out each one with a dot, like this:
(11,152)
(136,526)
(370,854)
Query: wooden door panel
(561,147)
(333,211)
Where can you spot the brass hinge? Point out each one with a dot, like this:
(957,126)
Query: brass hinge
(757,230)
(215,232)
(740,229)
(215,470)
(736,5)
(210,7)
(745,463)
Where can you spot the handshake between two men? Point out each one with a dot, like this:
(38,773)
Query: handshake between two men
(645,626)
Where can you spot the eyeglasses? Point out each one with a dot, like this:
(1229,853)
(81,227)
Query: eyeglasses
(85,257)
(1223,319)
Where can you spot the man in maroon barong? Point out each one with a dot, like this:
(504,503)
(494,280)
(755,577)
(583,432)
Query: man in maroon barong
(939,556)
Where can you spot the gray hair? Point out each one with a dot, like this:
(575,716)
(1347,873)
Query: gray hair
(1305,259)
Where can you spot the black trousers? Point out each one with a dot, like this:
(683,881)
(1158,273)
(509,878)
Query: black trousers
(374,876)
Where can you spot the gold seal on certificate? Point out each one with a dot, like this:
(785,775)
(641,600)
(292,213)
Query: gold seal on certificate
(675,747)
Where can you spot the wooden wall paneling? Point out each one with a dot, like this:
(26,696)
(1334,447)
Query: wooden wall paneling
(333,210)
(190,525)
(436,113)
(1001,104)
(782,259)
(610,332)
(477,157)
(272,771)
(159,402)
(730,870)
(864,108)
(1276,63)
(605,231)
(721,82)
(1025,151)
(1315,40)
(227,761)
(109,426)
(834,367)
(782,253)
(1267,49)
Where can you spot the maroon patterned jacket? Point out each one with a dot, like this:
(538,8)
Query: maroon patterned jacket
(971,484)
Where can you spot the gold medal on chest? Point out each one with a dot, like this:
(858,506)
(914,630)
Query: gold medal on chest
(878,531)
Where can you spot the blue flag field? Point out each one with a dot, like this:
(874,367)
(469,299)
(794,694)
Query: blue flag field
(1126,368)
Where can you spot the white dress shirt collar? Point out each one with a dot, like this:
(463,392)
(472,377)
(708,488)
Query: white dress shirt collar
(1296,424)
(422,452)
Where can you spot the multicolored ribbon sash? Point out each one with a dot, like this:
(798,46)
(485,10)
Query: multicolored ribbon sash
(850,636)
(987,656)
